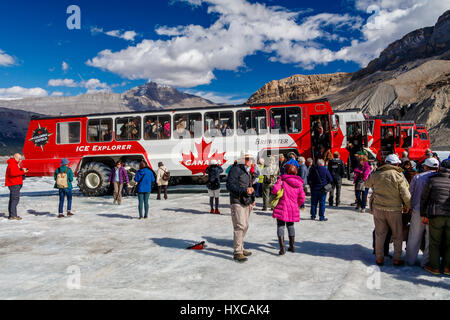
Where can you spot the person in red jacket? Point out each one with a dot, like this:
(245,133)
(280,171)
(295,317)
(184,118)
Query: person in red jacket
(14,181)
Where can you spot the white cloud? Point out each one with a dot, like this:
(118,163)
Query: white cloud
(62,83)
(57,94)
(390,21)
(6,59)
(65,66)
(91,85)
(17,92)
(192,53)
(126,35)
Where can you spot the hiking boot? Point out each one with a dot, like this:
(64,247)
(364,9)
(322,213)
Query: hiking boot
(447,271)
(399,263)
(291,244)
(436,272)
(246,253)
(217,211)
(282,248)
(69,214)
(380,262)
(239,257)
(60,215)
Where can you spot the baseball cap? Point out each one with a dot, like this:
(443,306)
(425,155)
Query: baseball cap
(393,159)
(431,162)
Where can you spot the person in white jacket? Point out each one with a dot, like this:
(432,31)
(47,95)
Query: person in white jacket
(161,181)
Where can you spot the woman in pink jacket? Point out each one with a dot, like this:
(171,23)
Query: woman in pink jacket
(287,211)
(362,173)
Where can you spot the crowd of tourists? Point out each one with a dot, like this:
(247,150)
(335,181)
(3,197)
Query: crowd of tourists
(409,201)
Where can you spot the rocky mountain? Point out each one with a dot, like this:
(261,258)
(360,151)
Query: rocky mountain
(16,114)
(14,124)
(155,96)
(410,80)
(150,96)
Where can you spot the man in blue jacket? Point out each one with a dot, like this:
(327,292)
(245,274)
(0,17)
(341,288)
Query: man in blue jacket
(318,178)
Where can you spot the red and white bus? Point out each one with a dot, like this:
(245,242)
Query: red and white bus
(391,136)
(185,140)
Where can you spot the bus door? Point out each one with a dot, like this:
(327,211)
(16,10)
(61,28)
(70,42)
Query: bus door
(387,140)
(355,135)
(320,141)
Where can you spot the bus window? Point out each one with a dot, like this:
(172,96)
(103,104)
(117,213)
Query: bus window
(219,124)
(99,130)
(423,136)
(285,120)
(251,122)
(188,125)
(157,127)
(68,132)
(128,128)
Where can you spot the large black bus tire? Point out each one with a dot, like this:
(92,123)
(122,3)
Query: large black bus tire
(93,179)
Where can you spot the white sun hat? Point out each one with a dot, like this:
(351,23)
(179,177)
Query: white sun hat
(393,159)
(432,163)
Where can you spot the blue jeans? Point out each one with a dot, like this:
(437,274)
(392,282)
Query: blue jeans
(258,190)
(143,201)
(361,197)
(62,194)
(318,197)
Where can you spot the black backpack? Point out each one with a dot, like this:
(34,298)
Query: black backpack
(213,180)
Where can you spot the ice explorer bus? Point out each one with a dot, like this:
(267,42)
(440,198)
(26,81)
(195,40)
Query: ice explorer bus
(185,140)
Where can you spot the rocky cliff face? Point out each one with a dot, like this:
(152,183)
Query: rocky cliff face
(410,80)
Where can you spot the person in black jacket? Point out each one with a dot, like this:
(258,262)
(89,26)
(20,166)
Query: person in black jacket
(337,170)
(242,200)
(435,212)
(213,185)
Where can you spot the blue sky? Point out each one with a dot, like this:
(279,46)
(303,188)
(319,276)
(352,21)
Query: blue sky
(223,50)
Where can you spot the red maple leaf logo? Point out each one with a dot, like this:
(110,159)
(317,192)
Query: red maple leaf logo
(201,162)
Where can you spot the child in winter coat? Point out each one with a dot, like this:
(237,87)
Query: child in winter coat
(287,210)
(214,171)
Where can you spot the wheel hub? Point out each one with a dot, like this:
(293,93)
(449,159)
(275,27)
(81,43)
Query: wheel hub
(93,180)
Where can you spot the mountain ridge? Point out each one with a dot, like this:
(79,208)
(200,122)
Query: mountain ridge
(409,80)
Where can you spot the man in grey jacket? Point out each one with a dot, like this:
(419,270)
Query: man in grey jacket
(417,228)
(242,200)
(435,212)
